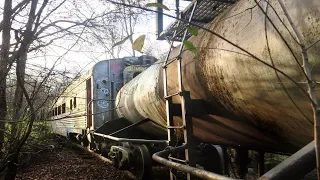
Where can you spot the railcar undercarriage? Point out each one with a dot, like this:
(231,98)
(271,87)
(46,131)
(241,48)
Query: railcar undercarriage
(209,161)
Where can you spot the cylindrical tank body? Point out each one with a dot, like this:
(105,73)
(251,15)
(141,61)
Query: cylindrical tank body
(248,103)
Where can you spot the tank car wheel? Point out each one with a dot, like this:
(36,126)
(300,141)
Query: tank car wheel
(213,158)
(142,165)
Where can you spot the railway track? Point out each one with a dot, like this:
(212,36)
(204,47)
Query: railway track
(159,172)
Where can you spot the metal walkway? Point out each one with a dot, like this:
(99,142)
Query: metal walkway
(205,12)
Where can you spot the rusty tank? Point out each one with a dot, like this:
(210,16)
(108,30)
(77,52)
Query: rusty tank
(247,103)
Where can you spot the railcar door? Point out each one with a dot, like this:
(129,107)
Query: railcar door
(89,103)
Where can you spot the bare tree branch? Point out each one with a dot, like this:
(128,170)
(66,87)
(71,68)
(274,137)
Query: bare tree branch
(311,86)
(221,37)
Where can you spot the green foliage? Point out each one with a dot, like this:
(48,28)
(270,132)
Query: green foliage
(40,133)
(193,31)
(157,5)
(190,46)
(274,159)
(138,43)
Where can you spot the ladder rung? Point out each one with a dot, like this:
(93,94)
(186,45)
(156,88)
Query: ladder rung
(178,160)
(169,62)
(180,31)
(171,95)
(175,127)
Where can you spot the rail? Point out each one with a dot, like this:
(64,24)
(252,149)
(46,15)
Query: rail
(159,157)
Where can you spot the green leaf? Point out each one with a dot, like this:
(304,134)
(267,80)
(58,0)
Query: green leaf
(138,43)
(157,5)
(122,41)
(190,46)
(193,31)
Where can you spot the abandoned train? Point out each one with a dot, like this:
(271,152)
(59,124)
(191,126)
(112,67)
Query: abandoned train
(88,102)
(237,101)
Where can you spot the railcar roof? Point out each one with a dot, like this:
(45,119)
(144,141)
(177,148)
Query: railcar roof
(82,78)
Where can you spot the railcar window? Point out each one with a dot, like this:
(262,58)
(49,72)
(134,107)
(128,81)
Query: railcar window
(71,104)
(56,111)
(63,108)
(74,102)
(59,110)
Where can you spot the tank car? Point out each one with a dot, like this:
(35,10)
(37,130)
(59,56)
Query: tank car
(244,103)
(247,103)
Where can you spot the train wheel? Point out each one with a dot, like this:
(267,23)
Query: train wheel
(213,158)
(142,169)
(103,148)
(84,141)
(115,162)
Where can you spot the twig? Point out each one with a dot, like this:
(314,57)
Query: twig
(312,44)
(272,62)
(311,87)
(283,39)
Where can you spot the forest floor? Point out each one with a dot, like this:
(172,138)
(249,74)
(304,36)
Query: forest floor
(57,158)
(60,160)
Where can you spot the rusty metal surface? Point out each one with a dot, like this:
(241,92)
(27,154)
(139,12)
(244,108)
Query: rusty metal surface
(248,103)
(139,99)
(251,90)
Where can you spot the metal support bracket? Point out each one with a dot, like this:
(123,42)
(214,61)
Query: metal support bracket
(160,158)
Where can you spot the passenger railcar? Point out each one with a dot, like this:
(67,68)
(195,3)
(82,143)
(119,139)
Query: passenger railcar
(88,102)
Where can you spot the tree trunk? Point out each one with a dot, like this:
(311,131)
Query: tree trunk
(5,47)
(18,95)
(12,169)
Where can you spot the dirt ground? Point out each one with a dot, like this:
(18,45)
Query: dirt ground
(63,161)
(58,159)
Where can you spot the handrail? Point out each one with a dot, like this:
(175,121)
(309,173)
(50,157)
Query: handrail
(294,167)
(131,140)
(159,157)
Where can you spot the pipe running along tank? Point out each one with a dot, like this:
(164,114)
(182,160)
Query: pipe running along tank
(247,103)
